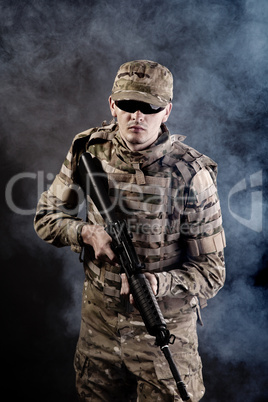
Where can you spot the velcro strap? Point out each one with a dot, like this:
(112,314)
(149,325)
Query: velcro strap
(139,174)
(111,276)
(171,248)
(150,238)
(93,268)
(143,206)
(204,214)
(130,178)
(184,171)
(159,265)
(206,245)
(206,193)
(111,292)
(134,188)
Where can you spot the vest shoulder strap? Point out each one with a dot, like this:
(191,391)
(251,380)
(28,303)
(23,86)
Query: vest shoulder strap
(188,161)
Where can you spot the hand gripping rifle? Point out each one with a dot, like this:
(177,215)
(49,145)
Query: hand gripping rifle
(94,182)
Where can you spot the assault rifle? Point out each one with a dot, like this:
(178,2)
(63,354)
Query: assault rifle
(94,182)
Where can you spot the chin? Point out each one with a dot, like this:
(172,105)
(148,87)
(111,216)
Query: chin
(134,139)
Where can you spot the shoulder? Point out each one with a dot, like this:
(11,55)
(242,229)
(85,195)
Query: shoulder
(94,135)
(81,142)
(189,163)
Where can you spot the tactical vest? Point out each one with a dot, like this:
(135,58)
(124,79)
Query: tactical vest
(151,196)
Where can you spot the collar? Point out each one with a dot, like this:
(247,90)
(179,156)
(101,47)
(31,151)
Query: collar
(157,150)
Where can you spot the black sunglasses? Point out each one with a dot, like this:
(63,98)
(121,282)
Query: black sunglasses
(131,106)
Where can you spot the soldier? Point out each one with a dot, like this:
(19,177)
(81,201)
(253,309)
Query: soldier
(167,193)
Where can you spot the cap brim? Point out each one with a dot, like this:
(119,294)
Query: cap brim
(139,96)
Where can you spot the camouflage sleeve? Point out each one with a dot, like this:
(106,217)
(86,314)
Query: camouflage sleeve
(203,272)
(56,220)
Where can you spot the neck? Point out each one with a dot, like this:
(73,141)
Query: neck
(142,146)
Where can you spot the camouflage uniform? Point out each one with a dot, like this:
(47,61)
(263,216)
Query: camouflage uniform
(168,195)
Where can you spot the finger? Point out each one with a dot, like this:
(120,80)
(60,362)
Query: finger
(131,300)
(124,285)
(105,253)
(153,282)
(111,255)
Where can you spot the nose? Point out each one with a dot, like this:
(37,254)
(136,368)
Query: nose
(138,115)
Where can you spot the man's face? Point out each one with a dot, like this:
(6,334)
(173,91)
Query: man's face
(139,130)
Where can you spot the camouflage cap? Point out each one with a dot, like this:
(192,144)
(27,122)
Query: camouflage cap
(145,81)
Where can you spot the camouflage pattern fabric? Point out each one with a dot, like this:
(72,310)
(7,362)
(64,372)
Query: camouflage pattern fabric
(126,365)
(145,81)
(168,195)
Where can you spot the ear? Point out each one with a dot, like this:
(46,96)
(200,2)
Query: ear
(112,107)
(168,109)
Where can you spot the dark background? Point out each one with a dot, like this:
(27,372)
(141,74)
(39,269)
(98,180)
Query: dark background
(58,62)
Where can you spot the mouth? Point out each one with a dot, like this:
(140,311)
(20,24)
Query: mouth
(136,127)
